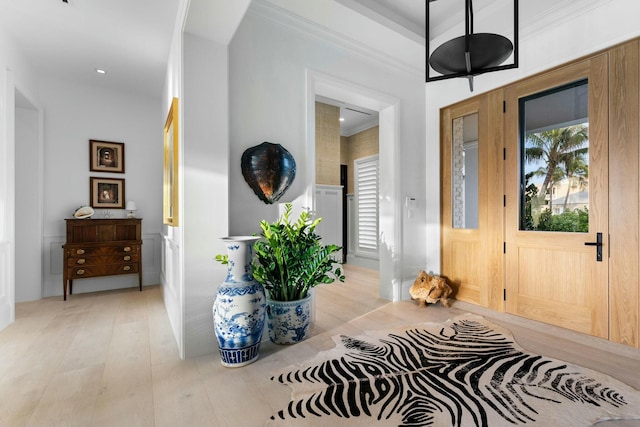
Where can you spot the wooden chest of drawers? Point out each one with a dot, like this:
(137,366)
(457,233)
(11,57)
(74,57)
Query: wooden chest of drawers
(102,247)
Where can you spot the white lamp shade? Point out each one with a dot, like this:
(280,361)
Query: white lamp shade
(131,206)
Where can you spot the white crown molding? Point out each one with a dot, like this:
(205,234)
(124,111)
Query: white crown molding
(559,13)
(267,10)
(531,25)
(405,27)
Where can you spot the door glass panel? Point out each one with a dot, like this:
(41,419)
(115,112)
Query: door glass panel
(465,171)
(554,160)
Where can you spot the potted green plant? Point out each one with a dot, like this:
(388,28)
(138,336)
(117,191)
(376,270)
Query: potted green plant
(289,261)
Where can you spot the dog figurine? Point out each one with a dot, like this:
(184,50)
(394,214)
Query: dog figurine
(430,289)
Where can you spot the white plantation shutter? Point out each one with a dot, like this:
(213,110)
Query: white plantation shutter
(366,198)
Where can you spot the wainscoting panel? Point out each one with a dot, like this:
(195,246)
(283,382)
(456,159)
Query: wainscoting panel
(170,279)
(329,208)
(6,303)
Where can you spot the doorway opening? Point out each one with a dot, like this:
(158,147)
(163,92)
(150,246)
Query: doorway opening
(347,148)
(389,210)
(21,220)
(28,200)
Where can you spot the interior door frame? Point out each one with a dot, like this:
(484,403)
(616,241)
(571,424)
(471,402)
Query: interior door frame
(389,211)
(624,194)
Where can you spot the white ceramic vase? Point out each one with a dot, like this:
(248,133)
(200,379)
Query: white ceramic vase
(239,307)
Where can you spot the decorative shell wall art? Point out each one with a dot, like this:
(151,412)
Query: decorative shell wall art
(84,212)
(269,169)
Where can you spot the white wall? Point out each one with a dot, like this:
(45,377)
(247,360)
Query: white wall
(74,114)
(28,204)
(568,31)
(206,192)
(197,74)
(15,74)
(171,276)
(270,57)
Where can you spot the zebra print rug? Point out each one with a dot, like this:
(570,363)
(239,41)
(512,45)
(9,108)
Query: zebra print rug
(464,372)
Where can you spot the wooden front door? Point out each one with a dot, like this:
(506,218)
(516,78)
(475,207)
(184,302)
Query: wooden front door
(472,195)
(556,180)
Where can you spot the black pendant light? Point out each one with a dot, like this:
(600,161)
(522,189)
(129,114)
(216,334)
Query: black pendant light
(473,53)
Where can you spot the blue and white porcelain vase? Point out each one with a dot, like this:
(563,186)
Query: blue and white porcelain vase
(289,321)
(239,307)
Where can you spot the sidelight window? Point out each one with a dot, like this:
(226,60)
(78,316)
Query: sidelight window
(464,170)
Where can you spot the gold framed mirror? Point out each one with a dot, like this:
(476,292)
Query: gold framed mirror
(170,187)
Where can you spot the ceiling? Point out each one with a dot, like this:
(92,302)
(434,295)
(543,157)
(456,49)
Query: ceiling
(353,118)
(131,39)
(408,13)
(405,16)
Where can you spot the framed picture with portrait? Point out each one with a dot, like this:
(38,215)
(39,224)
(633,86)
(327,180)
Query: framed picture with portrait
(107,193)
(106,156)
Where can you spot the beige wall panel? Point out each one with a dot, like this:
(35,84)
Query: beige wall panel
(327,144)
(359,145)
(344,150)
(365,143)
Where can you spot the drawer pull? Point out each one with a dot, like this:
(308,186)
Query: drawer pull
(127,258)
(127,268)
(127,248)
(80,272)
(80,251)
(81,261)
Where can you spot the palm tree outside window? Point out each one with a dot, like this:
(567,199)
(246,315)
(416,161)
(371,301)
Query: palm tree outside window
(554,152)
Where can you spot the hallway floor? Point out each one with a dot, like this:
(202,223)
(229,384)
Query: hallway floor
(110,358)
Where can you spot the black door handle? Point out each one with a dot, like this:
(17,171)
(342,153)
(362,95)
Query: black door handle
(598,245)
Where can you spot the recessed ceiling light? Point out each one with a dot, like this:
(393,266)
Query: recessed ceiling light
(342,119)
(101,71)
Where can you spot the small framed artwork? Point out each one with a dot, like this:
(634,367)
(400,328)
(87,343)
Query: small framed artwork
(106,156)
(107,193)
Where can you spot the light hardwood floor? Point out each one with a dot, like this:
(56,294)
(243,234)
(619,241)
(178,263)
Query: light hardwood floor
(110,359)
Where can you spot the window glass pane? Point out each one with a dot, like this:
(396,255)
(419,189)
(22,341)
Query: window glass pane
(464,169)
(554,158)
